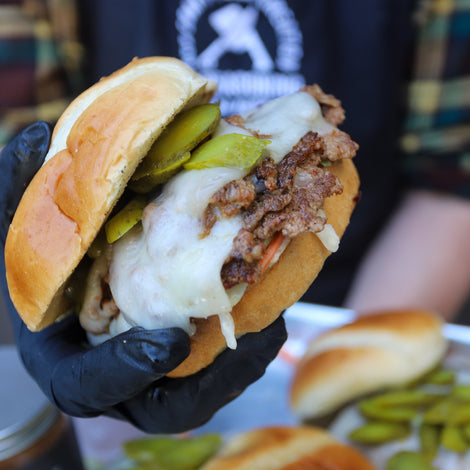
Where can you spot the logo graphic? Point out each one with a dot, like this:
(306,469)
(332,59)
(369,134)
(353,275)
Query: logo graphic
(236,27)
(252,48)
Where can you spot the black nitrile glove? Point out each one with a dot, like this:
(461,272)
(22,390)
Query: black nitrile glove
(123,377)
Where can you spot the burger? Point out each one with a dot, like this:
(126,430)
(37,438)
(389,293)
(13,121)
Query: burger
(151,210)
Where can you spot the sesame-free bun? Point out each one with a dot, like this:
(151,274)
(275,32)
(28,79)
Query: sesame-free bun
(375,352)
(283,284)
(287,448)
(96,146)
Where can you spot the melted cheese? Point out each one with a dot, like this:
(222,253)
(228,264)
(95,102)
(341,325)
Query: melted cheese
(164,274)
(286,120)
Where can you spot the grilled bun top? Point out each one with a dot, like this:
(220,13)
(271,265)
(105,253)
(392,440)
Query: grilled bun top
(287,448)
(377,351)
(96,146)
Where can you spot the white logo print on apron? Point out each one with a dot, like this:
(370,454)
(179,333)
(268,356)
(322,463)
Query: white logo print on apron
(274,54)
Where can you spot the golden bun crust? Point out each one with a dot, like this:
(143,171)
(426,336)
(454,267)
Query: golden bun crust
(96,146)
(287,448)
(380,350)
(282,285)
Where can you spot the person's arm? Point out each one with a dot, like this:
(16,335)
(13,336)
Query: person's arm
(421,259)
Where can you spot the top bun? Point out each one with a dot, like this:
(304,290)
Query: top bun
(96,146)
(377,351)
(287,448)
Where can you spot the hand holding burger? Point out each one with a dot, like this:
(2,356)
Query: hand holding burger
(123,377)
(248,210)
(236,221)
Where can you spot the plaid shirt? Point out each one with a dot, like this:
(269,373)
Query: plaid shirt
(436,143)
(39,62)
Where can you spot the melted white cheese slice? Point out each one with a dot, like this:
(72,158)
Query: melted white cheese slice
(165,274)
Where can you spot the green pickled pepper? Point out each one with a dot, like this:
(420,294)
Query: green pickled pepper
(407,460)
(379,432)
(129,216)
(187,130)
(168,453)
(228,150)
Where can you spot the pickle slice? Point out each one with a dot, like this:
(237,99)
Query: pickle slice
(440,377)
(440,412)
(395,414)
(161,174)
(429,438)
(169,453)
(466,431)
(453,439)
(461,392)
(184,133)
(379,432)
(415,398)
(459,415)
(228,150)
(125,219)
(407,460)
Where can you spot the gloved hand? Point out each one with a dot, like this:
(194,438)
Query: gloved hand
(123,377)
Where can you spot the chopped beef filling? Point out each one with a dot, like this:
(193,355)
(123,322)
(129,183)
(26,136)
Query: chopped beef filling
(331,107)
(285,197)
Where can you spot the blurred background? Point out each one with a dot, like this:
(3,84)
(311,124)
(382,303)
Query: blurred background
(401,72)
(401,69)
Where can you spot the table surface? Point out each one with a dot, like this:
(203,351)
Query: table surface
(264,403)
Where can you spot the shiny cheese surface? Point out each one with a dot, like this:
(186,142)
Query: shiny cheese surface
(164,274)
(285,120)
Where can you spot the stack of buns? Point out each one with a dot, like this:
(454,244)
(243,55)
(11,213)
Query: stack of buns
(375,352)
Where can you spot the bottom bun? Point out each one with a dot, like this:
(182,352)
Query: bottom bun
(282,285)
(287,448)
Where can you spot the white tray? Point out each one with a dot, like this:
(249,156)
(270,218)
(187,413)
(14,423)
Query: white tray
(265,402)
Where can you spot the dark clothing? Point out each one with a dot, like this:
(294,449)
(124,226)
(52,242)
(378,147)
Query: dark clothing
(359,54)
(363,52)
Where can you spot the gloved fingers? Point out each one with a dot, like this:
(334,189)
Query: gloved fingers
(178,405)
(19,161)
(87,383)
(83,380)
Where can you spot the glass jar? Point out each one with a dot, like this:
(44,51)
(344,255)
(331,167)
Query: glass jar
(34,435)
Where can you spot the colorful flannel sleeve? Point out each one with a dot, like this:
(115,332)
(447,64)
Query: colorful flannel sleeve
(436,142)
(39,62)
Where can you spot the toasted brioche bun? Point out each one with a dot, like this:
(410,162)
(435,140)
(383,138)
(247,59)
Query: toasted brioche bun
(96,146)
(375,352)
(287,448)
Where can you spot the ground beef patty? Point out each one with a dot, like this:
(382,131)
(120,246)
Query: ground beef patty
(286,197)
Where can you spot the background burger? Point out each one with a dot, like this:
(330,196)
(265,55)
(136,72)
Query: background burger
(168,215)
